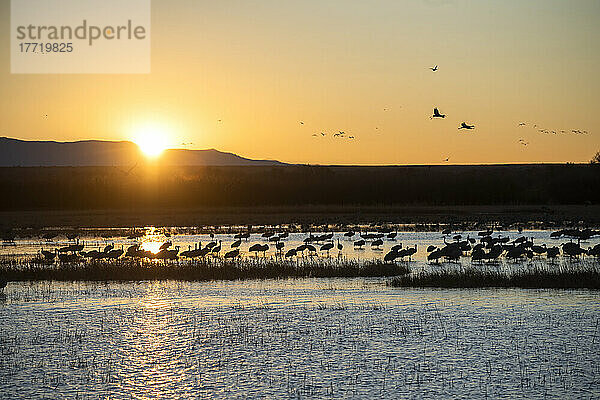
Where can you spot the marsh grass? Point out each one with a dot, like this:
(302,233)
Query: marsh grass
(197,270)
(583,275)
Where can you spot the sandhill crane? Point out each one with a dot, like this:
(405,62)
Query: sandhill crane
(109,248)
(464,125)
(255,248)
(434,68)
(215,250)
(232,254)
(166,254)
(349,234)
(397,247)
(48,255)
(435,254)
(114,254)
(552,252)
(326,247)
(359,243)
(291,253)
(279,246)
(410,251)
(478,254)
(236,244)
(539,249)
(495,252)
(594,251)
(436,114)
(301,248)
(377,243)
(390,256)
(311,249)
(572,249)
(339,245)
(202,252)
(67,258)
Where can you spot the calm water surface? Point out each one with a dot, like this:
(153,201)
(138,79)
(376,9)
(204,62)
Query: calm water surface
(309,338)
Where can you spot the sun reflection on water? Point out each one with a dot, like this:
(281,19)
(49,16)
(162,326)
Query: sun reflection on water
(151,245)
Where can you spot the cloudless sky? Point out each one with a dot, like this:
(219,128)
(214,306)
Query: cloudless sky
(261,67)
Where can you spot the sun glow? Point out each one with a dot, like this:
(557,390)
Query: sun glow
(152,140)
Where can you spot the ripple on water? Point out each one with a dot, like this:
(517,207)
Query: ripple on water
(295,338)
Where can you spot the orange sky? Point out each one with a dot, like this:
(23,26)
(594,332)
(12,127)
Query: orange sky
(262,67)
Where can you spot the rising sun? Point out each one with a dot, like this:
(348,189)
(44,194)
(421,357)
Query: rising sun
(152,140)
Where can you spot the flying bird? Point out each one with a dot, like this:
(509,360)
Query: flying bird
(301,123)
(434,68)
(464,125)
(447,159)
(522,124)
(323,134)
(436,114)
(524,143)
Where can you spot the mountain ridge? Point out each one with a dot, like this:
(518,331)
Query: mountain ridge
(93,152)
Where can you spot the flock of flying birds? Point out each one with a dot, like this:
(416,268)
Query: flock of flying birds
(549,131)
(463,125)
(437,114)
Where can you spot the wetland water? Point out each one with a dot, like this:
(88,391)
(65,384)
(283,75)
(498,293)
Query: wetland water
(305,338)
(153,238)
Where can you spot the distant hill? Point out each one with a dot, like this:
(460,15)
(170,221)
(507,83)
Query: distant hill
(23,153)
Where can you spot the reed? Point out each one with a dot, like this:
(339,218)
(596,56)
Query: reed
(197,270)
(583,276)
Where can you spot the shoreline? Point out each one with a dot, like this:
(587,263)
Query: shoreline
(543,216)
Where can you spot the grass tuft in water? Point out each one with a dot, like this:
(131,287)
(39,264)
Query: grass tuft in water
(582,276)
(198,270)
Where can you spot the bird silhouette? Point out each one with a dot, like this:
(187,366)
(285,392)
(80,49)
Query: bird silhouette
(434,68)
(464,125)
(436,114)
(232,254)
